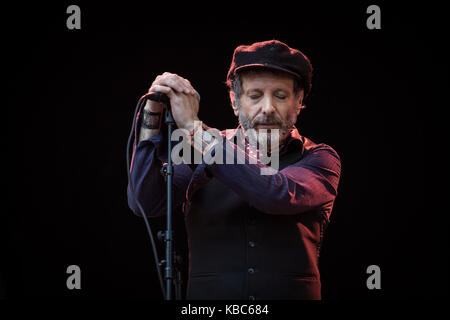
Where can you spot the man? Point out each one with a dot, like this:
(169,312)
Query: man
(250,235)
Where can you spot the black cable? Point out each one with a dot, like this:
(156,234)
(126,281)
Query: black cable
(140,103)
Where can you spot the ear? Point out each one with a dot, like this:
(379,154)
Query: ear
(299,102)
(233,104)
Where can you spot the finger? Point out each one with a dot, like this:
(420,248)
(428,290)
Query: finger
(183,85)
(180,84)
(175,82)
(189,88)
(169,80)
(161,89)
(171,83)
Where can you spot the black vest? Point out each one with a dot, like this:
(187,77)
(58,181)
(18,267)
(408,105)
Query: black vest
(238,252)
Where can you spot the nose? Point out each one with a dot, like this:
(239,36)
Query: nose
(267,107)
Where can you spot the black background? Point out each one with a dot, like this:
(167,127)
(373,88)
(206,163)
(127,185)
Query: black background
(71,96)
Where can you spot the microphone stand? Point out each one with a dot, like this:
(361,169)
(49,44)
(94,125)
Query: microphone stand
(167,235)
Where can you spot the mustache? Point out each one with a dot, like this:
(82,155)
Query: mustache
(266,121)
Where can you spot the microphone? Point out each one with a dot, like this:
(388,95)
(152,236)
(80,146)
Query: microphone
(158,97)
(163,98)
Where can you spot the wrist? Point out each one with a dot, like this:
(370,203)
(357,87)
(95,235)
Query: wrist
(154,106)
(192,125)
(151,120)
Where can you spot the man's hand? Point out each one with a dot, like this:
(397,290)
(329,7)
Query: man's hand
(183,99)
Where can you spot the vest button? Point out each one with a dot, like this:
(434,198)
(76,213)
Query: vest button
(251,270)
(251,244)
(251,298)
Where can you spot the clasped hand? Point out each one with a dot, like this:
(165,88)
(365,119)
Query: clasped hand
(184,100)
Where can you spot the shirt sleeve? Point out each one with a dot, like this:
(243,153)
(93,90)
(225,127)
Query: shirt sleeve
(309,183)
(148,183)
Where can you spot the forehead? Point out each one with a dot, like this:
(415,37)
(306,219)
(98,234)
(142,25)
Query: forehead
(266,80)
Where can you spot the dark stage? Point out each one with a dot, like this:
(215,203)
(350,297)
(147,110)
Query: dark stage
(71,98)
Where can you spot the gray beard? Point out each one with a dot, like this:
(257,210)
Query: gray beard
(286,127)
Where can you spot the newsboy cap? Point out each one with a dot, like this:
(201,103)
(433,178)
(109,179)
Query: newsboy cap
(272,54)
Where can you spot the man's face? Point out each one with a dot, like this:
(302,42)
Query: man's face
(268,102)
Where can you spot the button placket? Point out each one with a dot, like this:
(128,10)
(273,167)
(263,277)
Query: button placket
(252,252)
